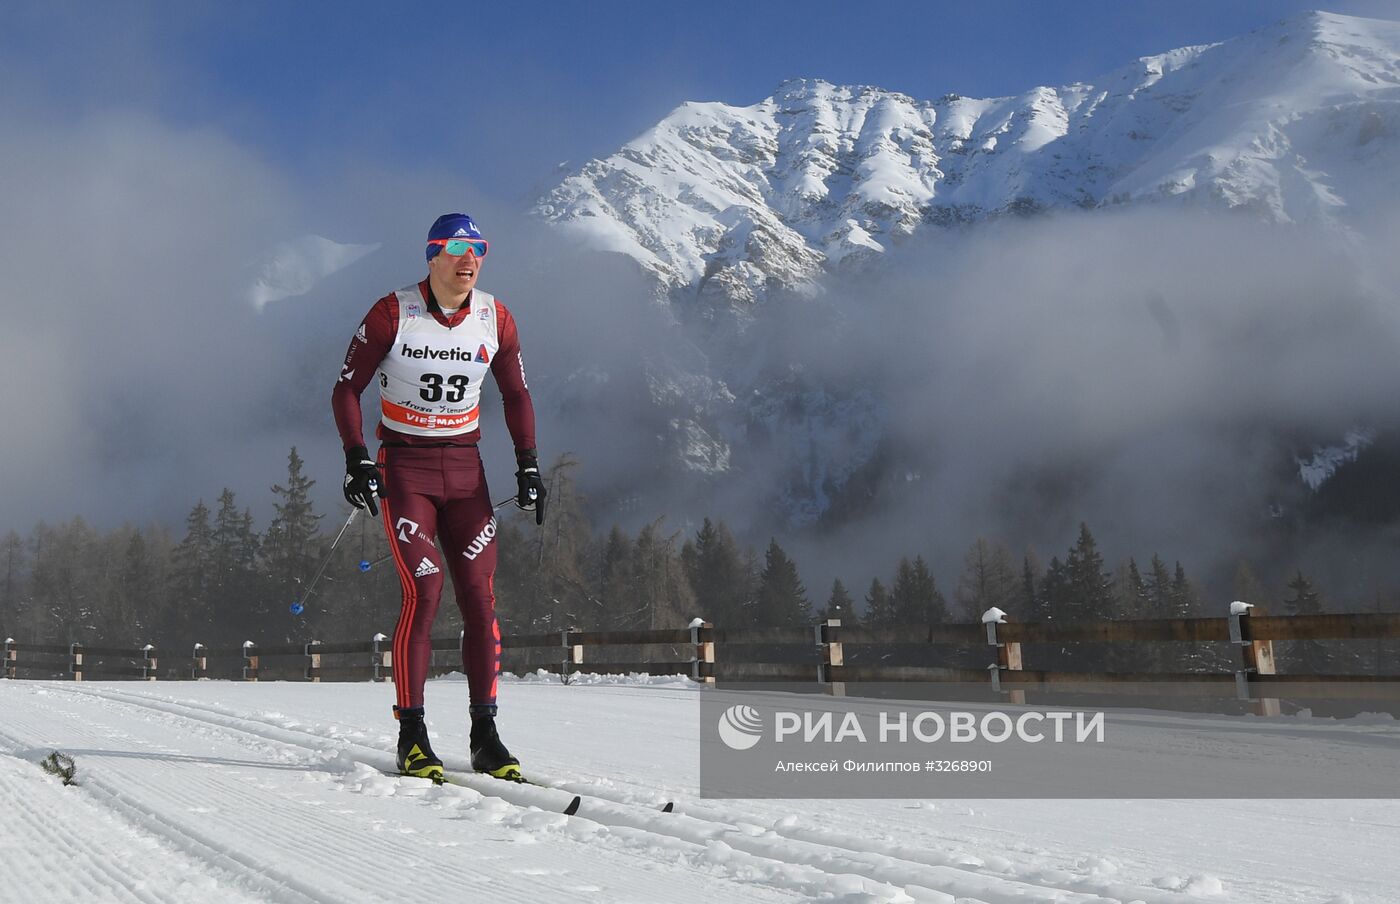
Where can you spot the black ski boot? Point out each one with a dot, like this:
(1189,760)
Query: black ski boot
(489,755)
(416,755)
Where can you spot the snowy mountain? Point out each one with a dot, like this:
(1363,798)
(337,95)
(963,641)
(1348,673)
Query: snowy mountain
(1295,122)
(294,267)
(1324,461)
(730,207)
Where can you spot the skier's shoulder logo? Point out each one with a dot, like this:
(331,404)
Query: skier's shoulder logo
(360,334)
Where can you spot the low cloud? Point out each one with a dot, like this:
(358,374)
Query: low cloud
(124,242)
(1144,371)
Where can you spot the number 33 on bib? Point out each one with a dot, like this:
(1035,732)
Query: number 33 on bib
(430,381)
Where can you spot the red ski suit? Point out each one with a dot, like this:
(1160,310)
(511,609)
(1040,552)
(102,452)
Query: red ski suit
(429,369)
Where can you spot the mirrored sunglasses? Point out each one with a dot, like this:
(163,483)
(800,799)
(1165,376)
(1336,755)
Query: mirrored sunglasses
(458,247)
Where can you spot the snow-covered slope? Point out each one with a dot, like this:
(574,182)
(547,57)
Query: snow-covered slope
(273,792)
(295,267)
(727,207)
(1297,122)
(1325,460)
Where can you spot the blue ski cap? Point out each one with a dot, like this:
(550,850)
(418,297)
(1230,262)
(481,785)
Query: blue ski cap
(451,226)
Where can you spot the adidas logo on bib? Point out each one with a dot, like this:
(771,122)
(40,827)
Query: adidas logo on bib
(425,568)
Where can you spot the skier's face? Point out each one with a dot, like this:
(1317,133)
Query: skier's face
(455,272)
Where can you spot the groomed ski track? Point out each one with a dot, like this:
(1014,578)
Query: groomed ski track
(274,792)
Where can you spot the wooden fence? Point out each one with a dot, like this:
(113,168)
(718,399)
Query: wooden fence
(708,654)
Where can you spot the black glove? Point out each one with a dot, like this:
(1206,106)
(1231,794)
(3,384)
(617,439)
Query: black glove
(362,480)
(530,490)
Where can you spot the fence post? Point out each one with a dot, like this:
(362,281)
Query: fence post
(149,667)
(201,663)
(1257,657)
(250,661)
(382,659)
(1008,656)
(313,662)
(573,654)
(704,653)
(75,650)
(11,658)
(832,655)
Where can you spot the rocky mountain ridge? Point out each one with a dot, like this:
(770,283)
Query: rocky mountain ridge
(1295,122)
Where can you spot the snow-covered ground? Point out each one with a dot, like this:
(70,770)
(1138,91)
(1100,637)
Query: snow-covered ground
(273,792)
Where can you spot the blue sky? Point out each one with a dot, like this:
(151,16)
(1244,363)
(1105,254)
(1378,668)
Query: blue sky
(503,92)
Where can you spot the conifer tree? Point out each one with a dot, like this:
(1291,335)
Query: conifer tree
(1158,586)
(1185,602)
(878,609)
(902,604)
(694,548)
(782,599)
(721,575)
(915,596)
(1129,602)
(1089,590)
(1052,605)
(1051,601)
(238,608)
(1131,591)
(191,567)
(292,552)
(840,605)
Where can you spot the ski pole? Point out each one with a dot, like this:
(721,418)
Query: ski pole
(366,564)
(299,605)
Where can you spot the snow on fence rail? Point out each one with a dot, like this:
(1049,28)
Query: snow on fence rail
(748,655)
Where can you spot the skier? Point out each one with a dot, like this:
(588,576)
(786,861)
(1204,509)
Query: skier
(431,345)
